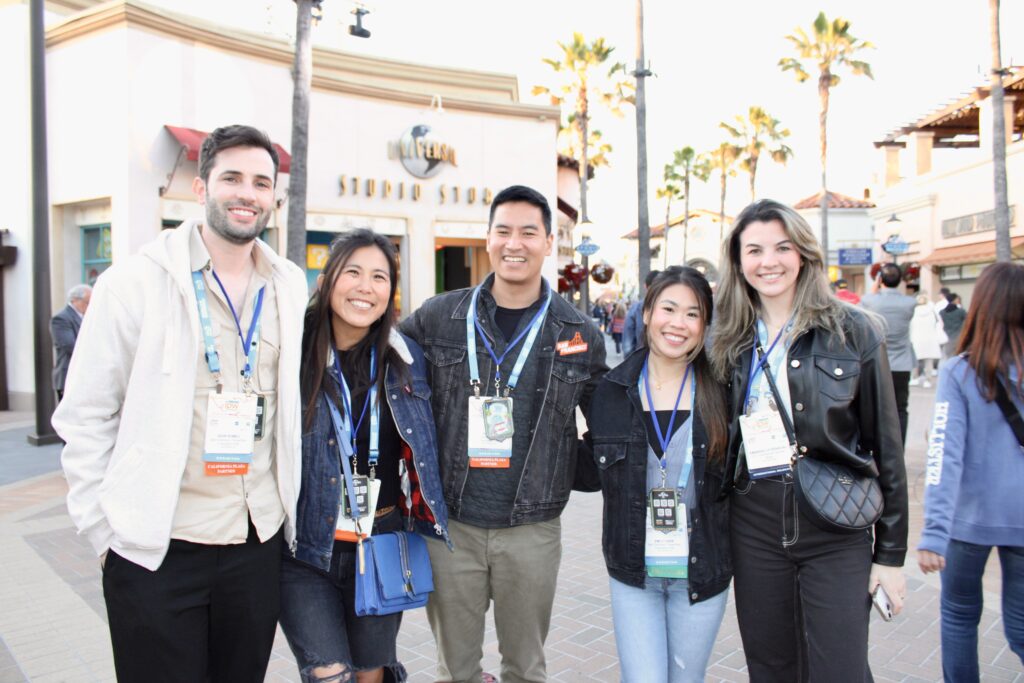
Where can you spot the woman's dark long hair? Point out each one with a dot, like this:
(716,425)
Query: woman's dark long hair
(993,335)
(711,402)
(318,334)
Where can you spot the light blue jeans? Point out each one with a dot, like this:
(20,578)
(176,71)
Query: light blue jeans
(660,636)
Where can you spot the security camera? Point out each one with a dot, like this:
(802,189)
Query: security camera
(357,30)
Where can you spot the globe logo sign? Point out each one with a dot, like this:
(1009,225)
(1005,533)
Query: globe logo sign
(420,154)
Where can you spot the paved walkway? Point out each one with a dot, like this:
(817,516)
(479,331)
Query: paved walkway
(53,623)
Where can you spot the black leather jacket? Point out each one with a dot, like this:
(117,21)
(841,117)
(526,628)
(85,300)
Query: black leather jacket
(844,410)
(617,442)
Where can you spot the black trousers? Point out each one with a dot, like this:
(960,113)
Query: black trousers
(901,382)
(801,593)
(209,612)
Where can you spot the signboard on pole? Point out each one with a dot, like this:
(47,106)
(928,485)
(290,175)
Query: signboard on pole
(855,257)
(588,248)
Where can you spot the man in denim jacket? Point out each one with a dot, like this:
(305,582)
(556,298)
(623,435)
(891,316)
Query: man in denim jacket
(505,523)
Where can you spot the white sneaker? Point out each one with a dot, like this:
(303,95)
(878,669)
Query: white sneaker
(927,384)
(914,382)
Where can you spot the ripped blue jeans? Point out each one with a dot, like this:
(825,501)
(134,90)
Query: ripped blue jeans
(319,620)
(660,636)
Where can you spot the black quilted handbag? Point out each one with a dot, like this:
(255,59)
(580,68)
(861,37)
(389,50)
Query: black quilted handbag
(832,496)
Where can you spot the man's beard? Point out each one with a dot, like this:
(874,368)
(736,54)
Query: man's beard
(218,220)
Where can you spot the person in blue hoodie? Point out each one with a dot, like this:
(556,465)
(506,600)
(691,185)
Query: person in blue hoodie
(974,473)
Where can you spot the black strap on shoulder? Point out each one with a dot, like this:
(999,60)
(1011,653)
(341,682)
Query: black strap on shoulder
(1010,411)
(783,412)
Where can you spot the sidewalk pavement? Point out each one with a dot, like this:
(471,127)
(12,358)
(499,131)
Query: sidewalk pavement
(53,622)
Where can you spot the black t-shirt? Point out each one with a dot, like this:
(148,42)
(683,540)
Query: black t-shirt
(507,320)
(663,419)
(389,445)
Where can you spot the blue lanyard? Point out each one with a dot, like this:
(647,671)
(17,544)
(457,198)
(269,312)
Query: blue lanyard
(339,426)
(665,439)
(757,364)
(370,402)
(530,332)
(250,342)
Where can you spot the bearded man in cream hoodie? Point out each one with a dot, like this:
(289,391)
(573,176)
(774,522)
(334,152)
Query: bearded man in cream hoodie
(181,419)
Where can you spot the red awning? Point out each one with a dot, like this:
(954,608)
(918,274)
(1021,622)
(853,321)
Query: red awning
(976,252)
(191,139)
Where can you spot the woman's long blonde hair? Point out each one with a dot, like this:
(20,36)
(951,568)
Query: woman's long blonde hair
(738,303)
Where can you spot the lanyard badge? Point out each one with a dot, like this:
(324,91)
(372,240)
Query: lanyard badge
(664,500)
(490,424)
(359,494)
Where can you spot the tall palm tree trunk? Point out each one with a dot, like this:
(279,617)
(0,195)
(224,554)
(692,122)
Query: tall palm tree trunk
(643,222)
(753,177)
(721,205)
(668,217)
(584,116)
(686,213)
(999,142)
(824,83)
(303,76)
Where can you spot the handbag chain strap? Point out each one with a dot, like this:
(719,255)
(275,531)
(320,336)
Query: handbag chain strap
(1010,411)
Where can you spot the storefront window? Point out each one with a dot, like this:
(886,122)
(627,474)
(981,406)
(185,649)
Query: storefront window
(95,251)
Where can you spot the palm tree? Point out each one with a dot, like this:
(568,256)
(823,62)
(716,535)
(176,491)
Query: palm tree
(303,75)
(582,79)
(831,46)
(643,222)
(759,132)
(723,160)
(999,141)
(670,190)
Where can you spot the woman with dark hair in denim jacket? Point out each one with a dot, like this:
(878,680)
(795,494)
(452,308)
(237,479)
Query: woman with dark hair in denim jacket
(351,352)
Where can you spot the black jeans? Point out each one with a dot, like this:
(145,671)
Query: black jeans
(801,593)
(901,382)
(209,612)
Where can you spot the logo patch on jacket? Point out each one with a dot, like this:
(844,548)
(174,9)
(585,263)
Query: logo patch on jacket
(570,346)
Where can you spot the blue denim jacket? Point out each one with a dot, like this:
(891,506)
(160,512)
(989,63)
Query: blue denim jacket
(322,478)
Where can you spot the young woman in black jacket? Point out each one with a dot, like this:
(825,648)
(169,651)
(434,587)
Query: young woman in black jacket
(657,441)
(803,594)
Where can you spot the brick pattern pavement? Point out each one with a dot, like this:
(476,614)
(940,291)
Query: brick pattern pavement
(53,623)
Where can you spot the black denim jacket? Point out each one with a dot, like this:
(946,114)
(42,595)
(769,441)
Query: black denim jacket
(613,459)
(547,414)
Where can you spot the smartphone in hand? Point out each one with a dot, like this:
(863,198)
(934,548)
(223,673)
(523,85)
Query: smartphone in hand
(880,599)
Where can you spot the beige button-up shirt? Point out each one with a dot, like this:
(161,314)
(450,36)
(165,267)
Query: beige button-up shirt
(215,510)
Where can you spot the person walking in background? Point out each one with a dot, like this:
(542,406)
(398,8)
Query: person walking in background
(942,300)
(975,467)
(953,317)
(64,331)
(927,337)
(656,449)
(809,372)
(633,331)
(896,310)
(618,325)
(843,292)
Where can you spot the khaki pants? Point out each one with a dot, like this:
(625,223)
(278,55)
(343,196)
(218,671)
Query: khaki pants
(518,569)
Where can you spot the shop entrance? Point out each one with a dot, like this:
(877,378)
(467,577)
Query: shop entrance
(459,263)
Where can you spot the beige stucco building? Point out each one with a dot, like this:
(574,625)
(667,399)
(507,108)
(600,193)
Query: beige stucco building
(937,181)
(415,152)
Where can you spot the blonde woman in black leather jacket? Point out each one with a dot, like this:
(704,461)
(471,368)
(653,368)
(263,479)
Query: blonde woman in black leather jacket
(829,363)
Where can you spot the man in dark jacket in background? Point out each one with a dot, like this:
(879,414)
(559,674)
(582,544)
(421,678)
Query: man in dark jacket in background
(64,331)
